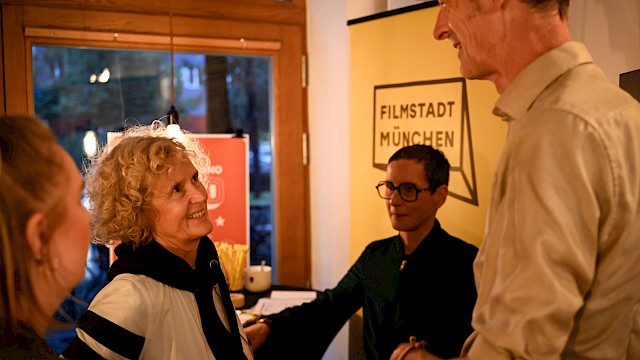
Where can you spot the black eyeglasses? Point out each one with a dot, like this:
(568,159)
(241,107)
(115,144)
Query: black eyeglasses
(408,191)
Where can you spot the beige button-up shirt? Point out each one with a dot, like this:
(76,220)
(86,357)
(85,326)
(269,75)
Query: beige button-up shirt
(558,273)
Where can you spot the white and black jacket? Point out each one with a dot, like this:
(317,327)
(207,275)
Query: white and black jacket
(156,306)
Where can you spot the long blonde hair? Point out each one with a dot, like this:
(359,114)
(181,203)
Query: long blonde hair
(30,179)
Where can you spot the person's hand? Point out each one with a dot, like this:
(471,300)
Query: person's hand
(408,351)
(257,334)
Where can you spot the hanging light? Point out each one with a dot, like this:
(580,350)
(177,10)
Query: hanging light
(173,118)
(173,124)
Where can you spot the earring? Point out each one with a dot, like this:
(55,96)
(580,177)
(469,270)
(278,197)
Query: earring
(54,265)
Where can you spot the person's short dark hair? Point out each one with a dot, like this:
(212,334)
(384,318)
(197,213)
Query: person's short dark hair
(436,165)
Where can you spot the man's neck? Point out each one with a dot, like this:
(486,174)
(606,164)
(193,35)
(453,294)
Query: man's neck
(533,36)
(411,239)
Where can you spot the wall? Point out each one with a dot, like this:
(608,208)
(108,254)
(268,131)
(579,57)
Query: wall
(329,138)
(611,31)
(610,28)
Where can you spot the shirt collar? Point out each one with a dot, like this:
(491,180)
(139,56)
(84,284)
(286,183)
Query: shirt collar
(527,86)
(430,240)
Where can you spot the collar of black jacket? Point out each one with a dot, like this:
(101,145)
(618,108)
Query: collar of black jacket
(160,264)
(426,245)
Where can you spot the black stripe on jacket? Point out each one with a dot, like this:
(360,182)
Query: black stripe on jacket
(108,334)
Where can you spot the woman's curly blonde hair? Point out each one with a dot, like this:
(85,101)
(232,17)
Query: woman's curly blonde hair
(120,181)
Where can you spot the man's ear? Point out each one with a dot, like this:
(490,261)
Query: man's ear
(33,232)
(441,194)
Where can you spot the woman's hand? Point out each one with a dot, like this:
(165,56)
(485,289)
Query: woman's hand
(257,334)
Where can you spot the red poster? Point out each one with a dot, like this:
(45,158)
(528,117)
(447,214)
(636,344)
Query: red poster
(228,187)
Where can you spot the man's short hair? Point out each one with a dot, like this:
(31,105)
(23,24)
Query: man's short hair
(561,5)
(436,165)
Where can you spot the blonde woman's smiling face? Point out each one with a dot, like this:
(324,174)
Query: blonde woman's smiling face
(180,201)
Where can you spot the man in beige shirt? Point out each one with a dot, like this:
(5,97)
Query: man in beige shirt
(558,272)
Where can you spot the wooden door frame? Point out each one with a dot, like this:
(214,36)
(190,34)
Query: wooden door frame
(248,27)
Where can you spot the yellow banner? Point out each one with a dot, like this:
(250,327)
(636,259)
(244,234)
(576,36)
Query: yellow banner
(406,89)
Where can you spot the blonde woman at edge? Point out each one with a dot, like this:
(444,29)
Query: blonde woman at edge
(167,297)
(44,234)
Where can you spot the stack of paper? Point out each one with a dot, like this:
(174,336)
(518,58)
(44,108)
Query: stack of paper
(281,300)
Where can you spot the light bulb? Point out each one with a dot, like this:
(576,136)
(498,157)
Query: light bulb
(90,143)
(104,76)
(173,131)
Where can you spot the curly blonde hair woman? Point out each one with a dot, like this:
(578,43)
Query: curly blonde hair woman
(44,234)
(167,297)
(120,182)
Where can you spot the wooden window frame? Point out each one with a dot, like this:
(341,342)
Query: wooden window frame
(247,27)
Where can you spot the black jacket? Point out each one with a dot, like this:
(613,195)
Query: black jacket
(432,298)
(22,342)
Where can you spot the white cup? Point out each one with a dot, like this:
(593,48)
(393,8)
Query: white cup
(257,278)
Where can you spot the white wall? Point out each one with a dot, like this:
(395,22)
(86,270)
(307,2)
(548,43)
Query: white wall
(328,94)
(609,28)
(361,8)
(611,31)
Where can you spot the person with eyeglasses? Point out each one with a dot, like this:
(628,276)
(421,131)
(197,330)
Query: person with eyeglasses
(418,284)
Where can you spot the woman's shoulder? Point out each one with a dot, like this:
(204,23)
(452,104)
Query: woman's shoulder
(24,343)
(135,293)
(125,299)
(128,285)
(134,281)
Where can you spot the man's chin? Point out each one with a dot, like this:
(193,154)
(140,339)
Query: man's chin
(400,226)
(470,72)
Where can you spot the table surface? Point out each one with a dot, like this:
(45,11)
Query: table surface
(292,343)
(252,298)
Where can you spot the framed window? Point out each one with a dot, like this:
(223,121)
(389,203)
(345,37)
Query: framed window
(255,29)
